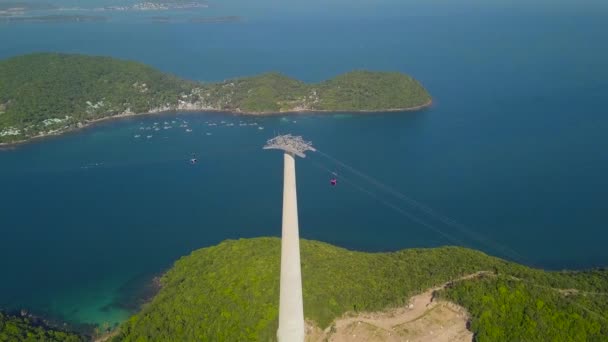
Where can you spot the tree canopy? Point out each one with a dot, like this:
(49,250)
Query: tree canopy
(230,292)
(25,329)
(45,93)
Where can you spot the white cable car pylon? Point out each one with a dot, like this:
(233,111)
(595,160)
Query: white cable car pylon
(291,306)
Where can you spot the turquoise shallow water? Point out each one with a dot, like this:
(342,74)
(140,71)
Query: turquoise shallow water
(514,149)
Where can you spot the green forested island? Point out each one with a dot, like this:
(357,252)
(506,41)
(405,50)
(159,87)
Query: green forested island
(230,292)
(48,93)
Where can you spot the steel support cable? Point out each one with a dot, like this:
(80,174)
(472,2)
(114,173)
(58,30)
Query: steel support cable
(400,210)
(429,211)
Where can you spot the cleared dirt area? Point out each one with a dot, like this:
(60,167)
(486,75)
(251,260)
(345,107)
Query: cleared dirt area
(424,319)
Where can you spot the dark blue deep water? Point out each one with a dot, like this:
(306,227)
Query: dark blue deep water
(514,149)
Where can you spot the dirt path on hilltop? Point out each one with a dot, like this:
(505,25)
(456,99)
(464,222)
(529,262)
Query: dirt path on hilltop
(423,319)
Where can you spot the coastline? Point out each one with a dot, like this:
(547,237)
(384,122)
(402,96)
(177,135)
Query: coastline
(90,123)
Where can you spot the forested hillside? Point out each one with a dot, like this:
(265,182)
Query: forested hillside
(49,93)
(230,292)
(568,307)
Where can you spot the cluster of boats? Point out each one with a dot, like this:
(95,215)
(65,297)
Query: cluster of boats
(157,126)
(179,123)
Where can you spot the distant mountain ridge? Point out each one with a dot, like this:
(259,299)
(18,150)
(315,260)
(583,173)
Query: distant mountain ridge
(49,93)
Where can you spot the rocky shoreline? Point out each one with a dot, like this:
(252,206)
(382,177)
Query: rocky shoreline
(48,322)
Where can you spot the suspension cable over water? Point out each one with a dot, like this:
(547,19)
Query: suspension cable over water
(446,236)
(427,210)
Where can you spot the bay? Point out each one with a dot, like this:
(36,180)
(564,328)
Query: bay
(513,149)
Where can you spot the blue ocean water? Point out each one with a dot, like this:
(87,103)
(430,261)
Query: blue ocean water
(514,148)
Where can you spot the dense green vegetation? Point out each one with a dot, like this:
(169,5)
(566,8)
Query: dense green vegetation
(506,308)
(270,92)
(37,87)
(353,91)
(230,292)
(18,329)
(47,93)
(364,90)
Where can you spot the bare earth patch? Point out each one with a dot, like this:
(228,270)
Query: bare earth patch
(424,319)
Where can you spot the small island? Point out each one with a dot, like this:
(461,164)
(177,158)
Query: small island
(156,6)
(55,18)
(49,93)
(9,8)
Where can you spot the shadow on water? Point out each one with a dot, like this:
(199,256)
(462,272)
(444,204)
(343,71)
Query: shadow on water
(135,292)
